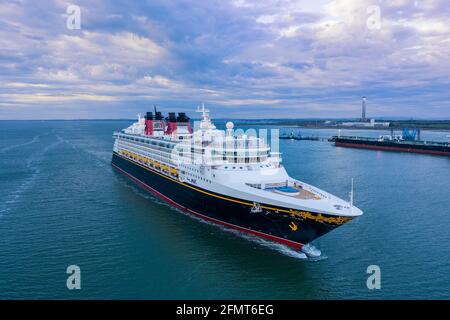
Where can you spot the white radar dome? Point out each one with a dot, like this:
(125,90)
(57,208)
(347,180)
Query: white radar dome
(230,125)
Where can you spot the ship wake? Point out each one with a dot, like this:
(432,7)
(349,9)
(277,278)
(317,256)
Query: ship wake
(32,165)
(307,253)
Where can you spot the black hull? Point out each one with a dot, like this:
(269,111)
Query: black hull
(283,225)
(393,146)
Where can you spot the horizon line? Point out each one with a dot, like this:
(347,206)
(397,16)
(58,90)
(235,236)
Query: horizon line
(249,119)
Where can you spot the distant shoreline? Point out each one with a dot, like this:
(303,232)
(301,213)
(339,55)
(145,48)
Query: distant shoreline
(430,125)
(337,128)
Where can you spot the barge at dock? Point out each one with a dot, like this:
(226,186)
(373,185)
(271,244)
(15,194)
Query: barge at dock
(402,143)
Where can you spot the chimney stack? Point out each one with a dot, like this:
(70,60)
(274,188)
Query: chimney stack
(158,124)
(363,115)
(149,124)
(171,123)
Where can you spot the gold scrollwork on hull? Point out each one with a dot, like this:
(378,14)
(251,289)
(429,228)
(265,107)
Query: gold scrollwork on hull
(319,217)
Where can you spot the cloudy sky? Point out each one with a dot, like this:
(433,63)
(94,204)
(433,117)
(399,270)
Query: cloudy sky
(242,58)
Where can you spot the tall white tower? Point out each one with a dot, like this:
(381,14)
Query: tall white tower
(363,116)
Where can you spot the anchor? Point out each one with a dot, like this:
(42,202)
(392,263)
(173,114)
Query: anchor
(293,226)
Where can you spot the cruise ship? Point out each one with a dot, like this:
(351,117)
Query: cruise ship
(227,178)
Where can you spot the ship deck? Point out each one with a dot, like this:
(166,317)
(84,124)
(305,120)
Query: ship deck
(294,192)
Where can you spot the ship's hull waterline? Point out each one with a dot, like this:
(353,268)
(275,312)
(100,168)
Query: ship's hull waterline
(281,225)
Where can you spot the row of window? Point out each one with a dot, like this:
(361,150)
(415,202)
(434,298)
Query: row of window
(162,155)
(162,167)
(242,168)
(148,141)
(196,148)
(197,177)
(166,155)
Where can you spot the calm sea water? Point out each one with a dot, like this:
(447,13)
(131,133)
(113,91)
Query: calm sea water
(61,203)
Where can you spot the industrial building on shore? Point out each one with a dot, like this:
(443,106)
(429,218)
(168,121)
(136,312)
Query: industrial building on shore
(365,122)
